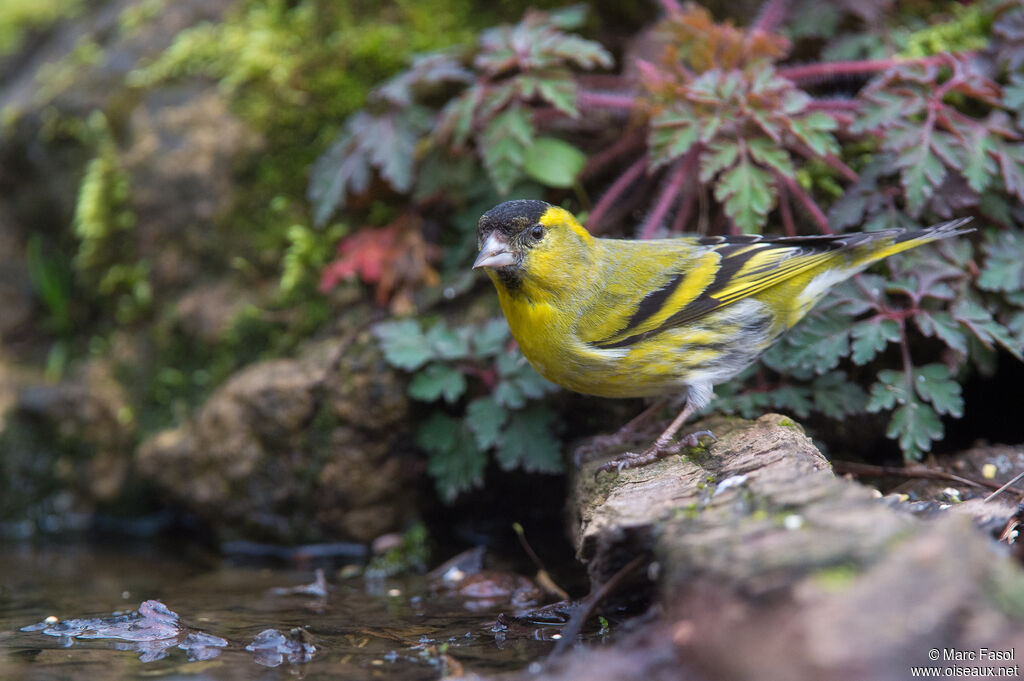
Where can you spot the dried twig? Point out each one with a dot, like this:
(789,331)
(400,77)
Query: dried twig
(918,473)
(586,607)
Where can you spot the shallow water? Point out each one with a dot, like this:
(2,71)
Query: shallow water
(394,629)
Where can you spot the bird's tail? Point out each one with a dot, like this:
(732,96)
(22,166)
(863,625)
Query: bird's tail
(884,244)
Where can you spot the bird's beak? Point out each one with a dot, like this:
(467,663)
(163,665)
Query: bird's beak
(495,252)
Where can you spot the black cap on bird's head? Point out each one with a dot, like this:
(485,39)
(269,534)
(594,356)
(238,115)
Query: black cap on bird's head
(500,227)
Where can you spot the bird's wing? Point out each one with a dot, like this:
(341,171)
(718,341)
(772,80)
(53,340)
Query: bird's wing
(726,269)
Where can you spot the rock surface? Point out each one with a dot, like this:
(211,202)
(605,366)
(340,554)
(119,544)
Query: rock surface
(293,450)
(65,447)
(766,565)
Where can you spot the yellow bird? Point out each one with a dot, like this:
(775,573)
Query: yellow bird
(626,318)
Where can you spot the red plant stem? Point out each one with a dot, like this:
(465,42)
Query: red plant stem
(684,210)
(837,164)
(605,100)
(670,6)
(772,14)
(908,367)
(786,211)
(614,192)
(834,104)
(829,69)
(680,171)
(831,160)
(808,203)
(840,109)
(627,144)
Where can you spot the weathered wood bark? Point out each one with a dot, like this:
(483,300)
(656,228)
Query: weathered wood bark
(766,565)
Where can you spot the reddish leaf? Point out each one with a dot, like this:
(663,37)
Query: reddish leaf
(396,259)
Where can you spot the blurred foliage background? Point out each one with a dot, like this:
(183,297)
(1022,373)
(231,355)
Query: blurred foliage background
(188,189)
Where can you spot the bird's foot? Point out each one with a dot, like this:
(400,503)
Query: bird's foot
(659,450)
(599,444)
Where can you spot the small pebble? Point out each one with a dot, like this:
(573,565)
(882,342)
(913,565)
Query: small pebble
(731,481)
(793,522)
(988,471)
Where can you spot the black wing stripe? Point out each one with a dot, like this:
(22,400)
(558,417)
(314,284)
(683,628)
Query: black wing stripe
(736,251)
(652,303)
(703,302)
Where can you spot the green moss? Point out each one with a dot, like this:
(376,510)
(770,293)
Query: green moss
(103,265)
(183,371)
(100,211)
(969,28)
(307,252)
(135,16)
(411,555)
(20,17)
(836,578)
(788,423)
(689,512)
(294,72)
(57,76)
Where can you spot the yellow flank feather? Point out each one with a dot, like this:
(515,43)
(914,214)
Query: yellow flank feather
(623,318)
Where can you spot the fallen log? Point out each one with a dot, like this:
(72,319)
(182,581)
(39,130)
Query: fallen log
(762,563)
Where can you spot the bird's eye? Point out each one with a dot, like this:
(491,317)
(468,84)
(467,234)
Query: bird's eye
(537,232)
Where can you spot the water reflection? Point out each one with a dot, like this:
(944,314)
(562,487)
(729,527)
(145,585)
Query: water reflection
(196,615)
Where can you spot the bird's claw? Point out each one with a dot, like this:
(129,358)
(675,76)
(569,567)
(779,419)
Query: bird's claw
(653,453)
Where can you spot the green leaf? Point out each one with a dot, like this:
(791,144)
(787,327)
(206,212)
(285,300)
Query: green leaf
(878,111)
(1010,157)
(916,426)
(560,93)
(491,339)
(456,464)
(871,337)
(980,167)
(341,170)
(390,140)
(529,442)
(503,146)
(769,154)
(455,123)
(673,134)
(933,384)
(985,328)
(747,193)
(1004,262)
(553,162)
(448,344)
(508,394)
(485,417)
(720,155)
(385,142)
(509,363)
(748,405)
(942,326)
(887,391)
(796,399)
(815,130)
(514,369)
(437,380)
(921,172)
(815,345)
(835,396)
(403,344)
(569,18)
